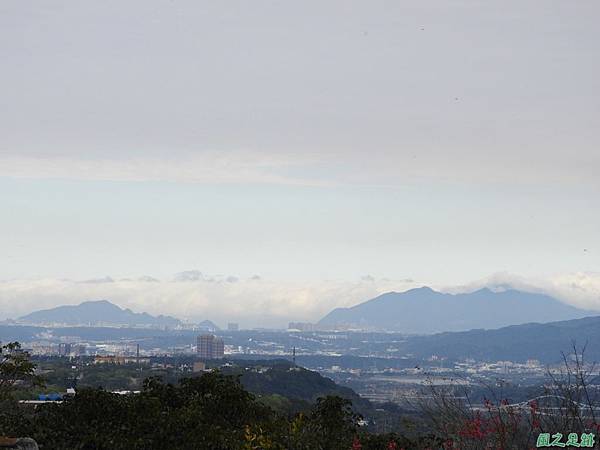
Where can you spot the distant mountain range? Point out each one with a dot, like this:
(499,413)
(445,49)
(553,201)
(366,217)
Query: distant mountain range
(543,341)
(425,311)
(96,313)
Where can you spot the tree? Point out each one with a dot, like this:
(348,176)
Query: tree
(212,411)
(16,370)
(331,425)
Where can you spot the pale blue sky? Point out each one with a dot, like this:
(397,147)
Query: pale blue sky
(435,233)
(438,141)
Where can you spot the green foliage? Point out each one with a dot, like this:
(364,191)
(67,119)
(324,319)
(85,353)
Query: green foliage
(392,441)
(17,373)
(331,425)
(112,377)
(297,383)
(212,411)
(16,370)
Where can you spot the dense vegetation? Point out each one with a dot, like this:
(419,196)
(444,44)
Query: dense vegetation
(262,377)
(212,411)
(215,411)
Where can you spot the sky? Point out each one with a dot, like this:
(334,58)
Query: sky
(301,156)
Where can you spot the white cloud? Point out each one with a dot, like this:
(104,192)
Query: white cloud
(252,302)
(258,302)
(580,289)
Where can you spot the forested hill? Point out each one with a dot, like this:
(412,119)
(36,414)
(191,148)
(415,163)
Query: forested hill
(282,378)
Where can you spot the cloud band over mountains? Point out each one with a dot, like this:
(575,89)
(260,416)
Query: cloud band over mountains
(256,302)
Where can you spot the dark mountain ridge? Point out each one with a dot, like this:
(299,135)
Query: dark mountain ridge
(545,342)
(425,311)
(96,313)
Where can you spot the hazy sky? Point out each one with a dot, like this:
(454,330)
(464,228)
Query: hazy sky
(305,142)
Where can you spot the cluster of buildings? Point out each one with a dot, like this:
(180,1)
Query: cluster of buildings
(116,359)
(210,346)
(76,349)
(61,349)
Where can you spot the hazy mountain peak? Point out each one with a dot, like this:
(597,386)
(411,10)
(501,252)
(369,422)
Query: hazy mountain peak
(96,312)
(422,290)
(99,302)
(425,289)
(486,290)
(423,310)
